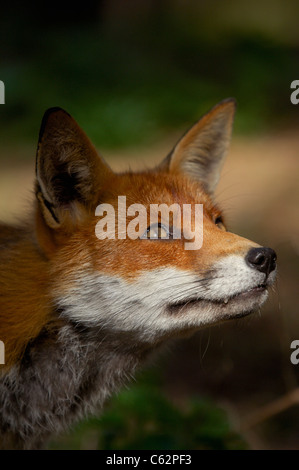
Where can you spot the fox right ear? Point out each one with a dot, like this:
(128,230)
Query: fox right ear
(68,169)
(200,153)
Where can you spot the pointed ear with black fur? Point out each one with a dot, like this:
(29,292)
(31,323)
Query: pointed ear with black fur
(68,169)
(201,151)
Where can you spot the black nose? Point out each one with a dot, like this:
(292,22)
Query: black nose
(262,259)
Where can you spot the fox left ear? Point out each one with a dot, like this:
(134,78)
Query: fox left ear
(69,171)
(201,151)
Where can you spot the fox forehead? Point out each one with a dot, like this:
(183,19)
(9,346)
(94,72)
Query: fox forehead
(155,187)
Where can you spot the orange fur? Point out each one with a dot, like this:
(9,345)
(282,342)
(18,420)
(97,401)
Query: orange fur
(24,309)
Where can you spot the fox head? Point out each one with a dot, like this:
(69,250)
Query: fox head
(150,286)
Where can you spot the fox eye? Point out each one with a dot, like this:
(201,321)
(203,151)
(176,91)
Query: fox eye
(156,232)
(219,222)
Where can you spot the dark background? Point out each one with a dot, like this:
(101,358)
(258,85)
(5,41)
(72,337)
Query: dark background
(135,75)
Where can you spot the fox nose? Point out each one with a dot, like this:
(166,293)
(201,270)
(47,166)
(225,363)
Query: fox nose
(263,259)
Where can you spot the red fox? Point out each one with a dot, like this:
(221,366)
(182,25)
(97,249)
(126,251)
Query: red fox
(79,314)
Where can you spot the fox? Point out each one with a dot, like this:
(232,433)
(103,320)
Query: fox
(79,314)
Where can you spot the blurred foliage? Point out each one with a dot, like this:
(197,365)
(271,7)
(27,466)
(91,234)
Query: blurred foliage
(141,417)
(129,80)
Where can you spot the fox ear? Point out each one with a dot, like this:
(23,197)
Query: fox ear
(68,169)
(201,151)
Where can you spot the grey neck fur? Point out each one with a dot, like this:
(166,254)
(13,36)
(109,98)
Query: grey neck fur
(65,375)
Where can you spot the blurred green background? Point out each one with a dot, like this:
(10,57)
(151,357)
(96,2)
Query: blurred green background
(130,71)
(135,74)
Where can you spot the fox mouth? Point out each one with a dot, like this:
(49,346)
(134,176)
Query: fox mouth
(239,304)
